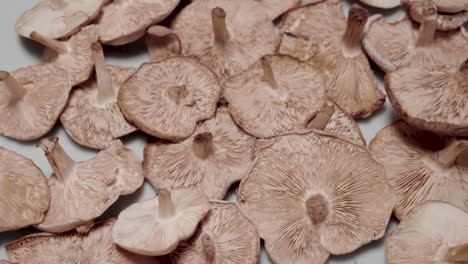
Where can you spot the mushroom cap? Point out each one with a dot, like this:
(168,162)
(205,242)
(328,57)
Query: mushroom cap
(451,6)
(122,22)
(24,191)
(265,109)
(382,3)
(162,43)
(412,170)
(178,165)
(418,11)
(276,8)
(141,229)
(59,18)
(311,193)
(251,34)
(167,98)
(93,125)
(46,89)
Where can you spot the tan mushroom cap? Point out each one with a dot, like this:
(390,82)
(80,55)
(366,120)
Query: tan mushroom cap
(167,98)
(443,22)
(31,100)
(277,94)
(218,154)
(276,8)
(162,43)
(421,166)
(312,194)
(82,191)
(94,247)
(451,6)
(434,232)
(382,3)
(228,36)
(155,227)
(24,192)
(58,18)
(335,48)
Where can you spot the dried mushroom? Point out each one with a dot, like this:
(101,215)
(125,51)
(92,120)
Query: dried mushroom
(93,117)
(451,6)
(277,94)
(218,154)
(155,227)
(382,3)
(162,43)
(335,48)
(167,98)
(82,191)
(276,8)
(24,191)
(422,166)
(312,194)
(443,22)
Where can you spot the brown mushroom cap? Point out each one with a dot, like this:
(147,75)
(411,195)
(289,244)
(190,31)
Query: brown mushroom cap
(444,21)
(31,100)
(24,192)
(277,94)
(212,159)
(82,191)
(310,194)
(335,48)
(162,43)
(382,3)
(167,98)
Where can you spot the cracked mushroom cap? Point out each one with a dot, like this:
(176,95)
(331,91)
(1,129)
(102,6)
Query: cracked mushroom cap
(277,94)
(167,98)
(162,43)
(444,21)
(428,236)
(82,191)
(228,36)
(335,48)
(421,166)
(155,227)
(24,192)
(94,247)
(31,100)
(312,194)
(218,154)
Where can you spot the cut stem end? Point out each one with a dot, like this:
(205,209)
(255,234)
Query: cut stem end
(203,145)
(221,33)
(317,208)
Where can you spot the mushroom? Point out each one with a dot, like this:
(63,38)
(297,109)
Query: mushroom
(167,98)
(225,235)
(451,6)
(155,227)
(93,117)
(228,36)
(387,4)
(421,166)
(335,48)
(277,94)
(276,8)
(444,22)
(31,100)
(311,194)
(82,191)
(58,18)
(73,247)
(124,21)
(24,191)
(162,43)
(212,159)
(434,232)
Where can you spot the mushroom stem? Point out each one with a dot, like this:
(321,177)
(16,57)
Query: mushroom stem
(53,44)
(105,92)
(61,163)
(16,90)
(357,18)
(317,208)
(321,120)
(203,145)
(178,93)
(166,206)
(221,33)
(458,254)
(208,247)
(428,13)
(268,75)
(448,156)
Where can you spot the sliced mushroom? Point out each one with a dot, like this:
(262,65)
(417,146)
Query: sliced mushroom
(311,194)
(82,191)
(162,43)
(335,48)
(167,98)
(444,21)
(218,154)
(277,94)
(31,100)
(155,227)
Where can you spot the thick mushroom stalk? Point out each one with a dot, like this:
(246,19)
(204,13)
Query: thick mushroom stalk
(357,18)
(427,29)
(321,120)
(105,94)
(458,254)
(221,33)
(203,145)
(53,44)
(448,156)
(208,247)
(16,90)
(166,205)
(317,208)
(59,160)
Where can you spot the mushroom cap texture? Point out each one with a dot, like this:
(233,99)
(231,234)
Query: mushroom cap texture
(427,233)
(24,192)
(167,98)
(412,171)
(251,35)
(176,165)
(276,8)
(383,3)
(90,124)
(349,78)
(233,236)
(142,230)
(58,21)
(451,6)
(264,110)
(122,22)
(92,187)
(298,166)
(94,247)
(47,88)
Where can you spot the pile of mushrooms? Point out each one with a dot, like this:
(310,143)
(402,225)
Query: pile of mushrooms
(229,96)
